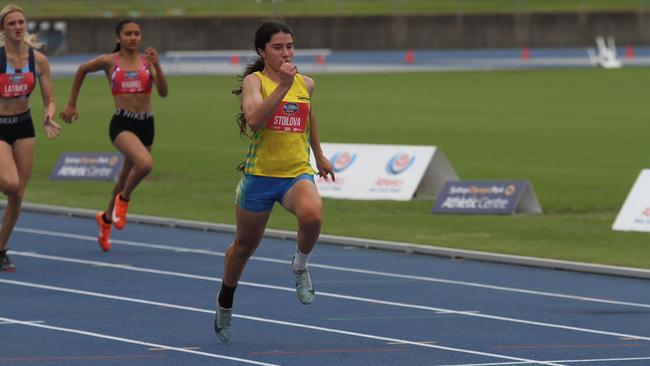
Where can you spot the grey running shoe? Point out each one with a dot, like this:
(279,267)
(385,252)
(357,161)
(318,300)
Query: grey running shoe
(304,287)
(222,318)
(5,264)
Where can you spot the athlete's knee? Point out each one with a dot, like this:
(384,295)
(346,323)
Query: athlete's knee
(311,217)
(144,165)
(243,249)
(10,187)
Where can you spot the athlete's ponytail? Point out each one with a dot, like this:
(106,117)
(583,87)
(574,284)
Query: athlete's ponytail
(263,35)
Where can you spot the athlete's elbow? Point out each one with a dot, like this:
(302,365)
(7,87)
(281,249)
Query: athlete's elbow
(252,121)
(254,126)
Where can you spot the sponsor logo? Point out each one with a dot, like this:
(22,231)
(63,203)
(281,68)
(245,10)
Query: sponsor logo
(475,203)
(384,182)
(130,75)
(644,217)
(399,163)
(91,166)
(494,189)
(483,197)
(387,185)
(290,108)
(16,78)
(342,160)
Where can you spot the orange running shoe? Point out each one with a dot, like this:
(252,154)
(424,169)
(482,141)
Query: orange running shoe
(119,212)
(104,238)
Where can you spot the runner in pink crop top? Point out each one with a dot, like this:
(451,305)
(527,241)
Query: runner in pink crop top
(131,75)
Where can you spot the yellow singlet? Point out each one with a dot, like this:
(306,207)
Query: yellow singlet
(281,147)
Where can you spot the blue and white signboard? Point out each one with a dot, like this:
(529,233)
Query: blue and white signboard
(635,213)
(384,172)
(87,166)
(487,197)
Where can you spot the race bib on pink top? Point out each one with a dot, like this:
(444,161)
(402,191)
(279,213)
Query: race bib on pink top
(289,117)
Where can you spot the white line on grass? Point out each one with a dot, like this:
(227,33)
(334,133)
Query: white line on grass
(258,319)
(333,295)
(134,341)
(337,268)
(565,361)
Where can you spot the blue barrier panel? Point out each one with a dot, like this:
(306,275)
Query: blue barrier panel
(87,166)
(487,197)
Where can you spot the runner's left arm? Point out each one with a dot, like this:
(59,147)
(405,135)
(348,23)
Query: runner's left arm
(51,128)
(156,71)
(323,164)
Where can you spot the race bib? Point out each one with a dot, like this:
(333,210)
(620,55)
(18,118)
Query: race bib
(289,117)
(16,85)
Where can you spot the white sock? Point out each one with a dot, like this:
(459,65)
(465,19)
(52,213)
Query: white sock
(300,260)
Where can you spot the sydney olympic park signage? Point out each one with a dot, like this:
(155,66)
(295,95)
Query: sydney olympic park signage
(405,172)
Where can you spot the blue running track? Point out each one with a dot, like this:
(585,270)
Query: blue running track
(150,301)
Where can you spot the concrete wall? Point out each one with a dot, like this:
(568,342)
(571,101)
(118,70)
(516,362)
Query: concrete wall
(96,35)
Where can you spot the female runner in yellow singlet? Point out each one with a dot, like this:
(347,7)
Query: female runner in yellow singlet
(276,109)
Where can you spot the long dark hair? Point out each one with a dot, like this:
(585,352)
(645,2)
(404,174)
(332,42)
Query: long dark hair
(118,30)
(263,35)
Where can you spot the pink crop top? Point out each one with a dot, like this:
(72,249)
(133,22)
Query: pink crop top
(131,81)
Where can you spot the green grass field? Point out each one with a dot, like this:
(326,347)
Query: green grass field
(109,8)
(580,137)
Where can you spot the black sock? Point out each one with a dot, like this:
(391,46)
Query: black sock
(3,252)
(226,295)
(106,219)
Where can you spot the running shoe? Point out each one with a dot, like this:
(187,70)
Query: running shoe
(222,319)
(119,212)
(304,287)
(6,265)
(104,237)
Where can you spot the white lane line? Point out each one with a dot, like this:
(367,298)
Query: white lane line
(333,295)
(134,341)
(342,269)
(564,361)
(26,321)
(271,321)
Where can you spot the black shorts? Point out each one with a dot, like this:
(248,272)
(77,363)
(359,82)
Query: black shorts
(141,124)
(19,126)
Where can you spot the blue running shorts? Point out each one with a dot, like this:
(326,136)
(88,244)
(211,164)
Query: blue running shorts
(258,193)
